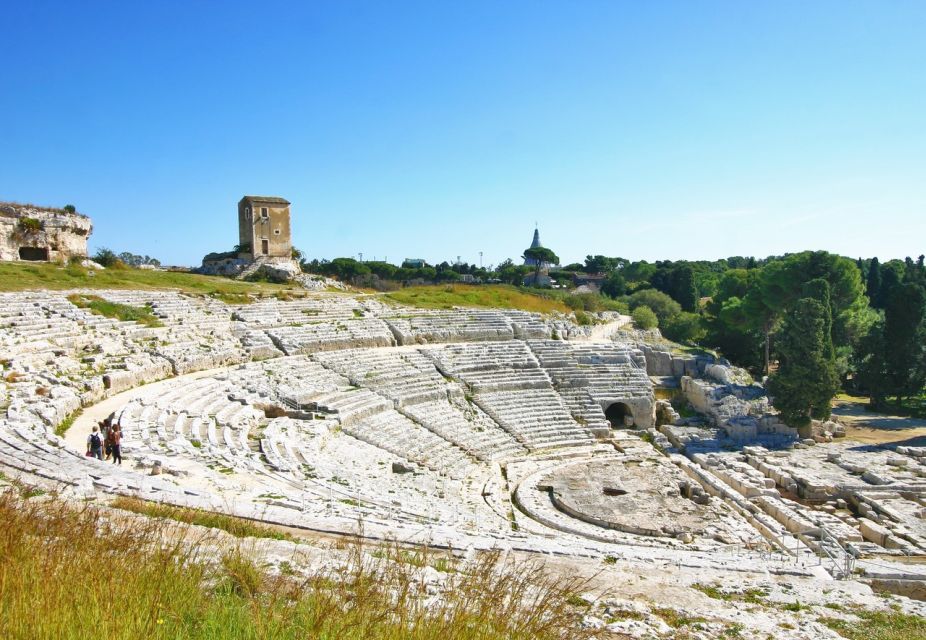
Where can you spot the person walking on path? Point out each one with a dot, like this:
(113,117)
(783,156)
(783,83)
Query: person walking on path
(95,444)
(106,429)
(115,437)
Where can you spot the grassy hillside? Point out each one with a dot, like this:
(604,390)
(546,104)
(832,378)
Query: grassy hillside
(75,571)
(20,276)
(459,295)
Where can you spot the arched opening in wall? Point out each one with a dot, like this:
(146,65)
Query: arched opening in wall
(619,415)
(33,253)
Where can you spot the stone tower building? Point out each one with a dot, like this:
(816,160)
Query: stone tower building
(535,243)
(263,227)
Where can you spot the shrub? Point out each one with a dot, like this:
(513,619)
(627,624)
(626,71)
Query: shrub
(659,303)
(70,208)
(644,318)
(105,257)
(582,318)
(30,225)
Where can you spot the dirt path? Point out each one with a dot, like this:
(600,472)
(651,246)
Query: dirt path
(76,437)
(878,428)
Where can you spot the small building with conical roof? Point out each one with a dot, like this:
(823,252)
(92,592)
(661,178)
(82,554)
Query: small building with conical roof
(535,244)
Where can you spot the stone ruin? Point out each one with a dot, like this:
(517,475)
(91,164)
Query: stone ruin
(462,428)
(28,232)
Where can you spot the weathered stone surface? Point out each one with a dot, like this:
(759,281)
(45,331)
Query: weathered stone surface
(57,233)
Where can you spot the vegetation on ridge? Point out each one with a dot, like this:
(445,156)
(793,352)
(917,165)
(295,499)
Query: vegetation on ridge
(488,296)
(24,276)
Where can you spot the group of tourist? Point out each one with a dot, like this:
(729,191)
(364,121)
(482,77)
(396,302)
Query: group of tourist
(105,441)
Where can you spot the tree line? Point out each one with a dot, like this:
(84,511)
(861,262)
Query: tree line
(814,322)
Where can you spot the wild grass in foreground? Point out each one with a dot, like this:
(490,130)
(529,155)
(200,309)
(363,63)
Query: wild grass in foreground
(81,572)
(483,296)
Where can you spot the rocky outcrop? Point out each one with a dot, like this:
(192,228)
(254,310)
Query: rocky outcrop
(28,232)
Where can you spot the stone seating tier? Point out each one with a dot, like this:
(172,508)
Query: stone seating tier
(471,430)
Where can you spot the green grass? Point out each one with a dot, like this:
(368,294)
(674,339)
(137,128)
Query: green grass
(581,301)
(878,625)
(78,571)
(488,296)
(66,424)
(125,312)
(676,619)
(238,527)
(751,595)
(19,276)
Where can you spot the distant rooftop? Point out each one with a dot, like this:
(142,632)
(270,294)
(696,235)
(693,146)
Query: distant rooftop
(267,199)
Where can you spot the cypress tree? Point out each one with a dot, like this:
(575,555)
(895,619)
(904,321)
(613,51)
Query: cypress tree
(890,278)
(806,380)
(904,358)
(873,285)
(686,289)
(819,290)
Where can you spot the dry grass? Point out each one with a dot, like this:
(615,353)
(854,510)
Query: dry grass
(489,297)
(238,527)
(71,571)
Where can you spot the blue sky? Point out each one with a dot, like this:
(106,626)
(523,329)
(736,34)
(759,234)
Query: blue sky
(647,130)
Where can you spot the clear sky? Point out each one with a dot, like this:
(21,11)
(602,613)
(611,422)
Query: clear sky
(647,130)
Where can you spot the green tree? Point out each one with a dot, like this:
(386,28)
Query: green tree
(614,285)
(905,341)
(511,273)
(685,327)
(540,256)
(659,303)
(644,318)
(819,290)
(891,276)
(105,257)
(686,289)
(725,319)
(806,381)
(873,282)
(780,286)
(70,208)
(603,264)
(346,268)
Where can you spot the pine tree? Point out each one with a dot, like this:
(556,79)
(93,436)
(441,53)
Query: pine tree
(806,380)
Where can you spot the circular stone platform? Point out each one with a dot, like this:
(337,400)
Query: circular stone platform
(642,497)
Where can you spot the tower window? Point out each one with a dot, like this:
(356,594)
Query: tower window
(264,213)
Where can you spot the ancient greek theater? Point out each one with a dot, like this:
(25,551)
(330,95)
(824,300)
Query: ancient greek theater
(462,429)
